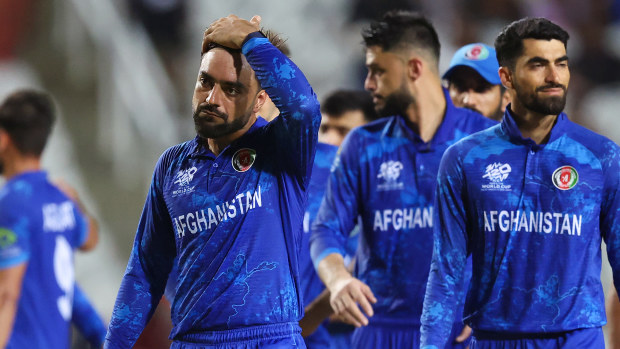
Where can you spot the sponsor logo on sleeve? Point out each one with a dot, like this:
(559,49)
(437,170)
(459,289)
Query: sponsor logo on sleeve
(565,177)
(243,159)
(389,171)
(7,238)
(496,173)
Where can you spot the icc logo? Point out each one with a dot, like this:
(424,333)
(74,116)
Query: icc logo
(185,176)
(390,171)
(497,172)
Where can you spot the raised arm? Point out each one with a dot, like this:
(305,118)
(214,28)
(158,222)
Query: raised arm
(295,131)
(147,271)
(445,283)
(92,226)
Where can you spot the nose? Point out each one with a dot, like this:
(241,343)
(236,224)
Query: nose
(469,99)
(552,75)
(330,136)
(369,83)
(214,95)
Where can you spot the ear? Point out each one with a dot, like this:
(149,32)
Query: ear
(261,98)
(4,140)
(506,77)
(414,68)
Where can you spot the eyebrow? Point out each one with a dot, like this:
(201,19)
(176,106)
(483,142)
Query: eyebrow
(227,83)
(546,61)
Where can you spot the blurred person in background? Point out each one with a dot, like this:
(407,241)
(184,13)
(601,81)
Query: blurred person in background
(40,225)
(531,201)
(228,205)
(342,111)
(473,81)
(385,173)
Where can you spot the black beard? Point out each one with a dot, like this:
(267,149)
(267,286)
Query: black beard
(545,106)
(1,168)
(209,131)
(396,103)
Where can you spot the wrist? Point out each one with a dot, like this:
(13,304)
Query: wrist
(252,35)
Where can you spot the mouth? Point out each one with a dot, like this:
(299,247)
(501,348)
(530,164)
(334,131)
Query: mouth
(555,90)
(208,115)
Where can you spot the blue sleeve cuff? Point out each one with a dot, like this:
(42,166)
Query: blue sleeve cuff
(19,259)
(250,44)
(326,253)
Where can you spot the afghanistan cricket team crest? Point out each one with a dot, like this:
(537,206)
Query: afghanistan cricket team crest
(243,159)
(565,177)
(477,53)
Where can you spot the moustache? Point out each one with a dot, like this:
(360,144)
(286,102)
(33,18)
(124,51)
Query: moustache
(211,108)
(552,85)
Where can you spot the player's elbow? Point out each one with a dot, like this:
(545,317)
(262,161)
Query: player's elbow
(93,236)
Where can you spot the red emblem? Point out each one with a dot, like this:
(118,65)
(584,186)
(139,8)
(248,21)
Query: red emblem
(243,159)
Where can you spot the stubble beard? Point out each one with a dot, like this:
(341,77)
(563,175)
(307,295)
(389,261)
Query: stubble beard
(204,130)
(397,102)
(552,105)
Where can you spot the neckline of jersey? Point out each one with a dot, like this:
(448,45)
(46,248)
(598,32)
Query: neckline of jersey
(510,128)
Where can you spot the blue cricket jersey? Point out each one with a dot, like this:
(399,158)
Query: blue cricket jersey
(40,226)
(532,216)
(311,284)
(233,221)
(386,174)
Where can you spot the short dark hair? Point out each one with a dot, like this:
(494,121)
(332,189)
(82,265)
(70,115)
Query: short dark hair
(342,101)
(509,43)
(398,29)
(28,116)
(275,38)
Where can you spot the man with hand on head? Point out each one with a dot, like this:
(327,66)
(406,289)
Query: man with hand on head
(385,174)
(530,200)
(228,205)
(473,81)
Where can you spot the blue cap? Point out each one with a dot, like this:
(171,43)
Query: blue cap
(479,57)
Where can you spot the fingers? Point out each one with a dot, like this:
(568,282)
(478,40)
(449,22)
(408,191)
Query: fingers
(256,20)
(368,294)
(464,334)
(345,303)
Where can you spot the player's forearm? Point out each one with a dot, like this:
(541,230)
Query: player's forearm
(315,313)
(283,81)
(331,269)
(8,308)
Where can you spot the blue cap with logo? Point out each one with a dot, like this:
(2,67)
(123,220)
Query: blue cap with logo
(479,57)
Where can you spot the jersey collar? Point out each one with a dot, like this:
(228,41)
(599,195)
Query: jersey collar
(444,133)
(510,128)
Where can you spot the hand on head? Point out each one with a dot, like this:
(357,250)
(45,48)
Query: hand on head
(230,31)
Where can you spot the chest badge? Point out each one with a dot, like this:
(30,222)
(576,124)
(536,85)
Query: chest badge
(243,159)
(389,173)
(565,177)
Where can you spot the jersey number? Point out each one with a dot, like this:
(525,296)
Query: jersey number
(63,269)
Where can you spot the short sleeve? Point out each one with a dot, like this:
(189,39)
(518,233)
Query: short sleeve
(14,236)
